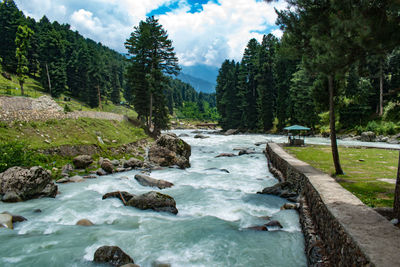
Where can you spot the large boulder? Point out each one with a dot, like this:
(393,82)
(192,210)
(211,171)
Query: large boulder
(82,161)
(133,163)
(151,200)
(148,181)
(368,136)
(15,218)
(154,201)
(23,184)
(6,221)
(112,255)
(284,189)
(174,143)
(107,165)
(170,150)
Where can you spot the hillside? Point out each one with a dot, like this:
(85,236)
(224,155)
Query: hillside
(198,84)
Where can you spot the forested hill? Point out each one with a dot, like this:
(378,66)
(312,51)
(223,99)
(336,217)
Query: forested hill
(281,82)
(65,61)
(68,64)
(198,84)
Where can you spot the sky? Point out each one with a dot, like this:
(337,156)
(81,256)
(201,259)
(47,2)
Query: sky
(203,32)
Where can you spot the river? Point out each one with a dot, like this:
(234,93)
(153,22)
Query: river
(215,208)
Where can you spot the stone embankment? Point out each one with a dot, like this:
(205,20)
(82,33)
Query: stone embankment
(353,234)
(42,109)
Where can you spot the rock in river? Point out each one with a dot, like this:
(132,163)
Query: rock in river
(24,184)
(84,222)
(225,155)
(200,136)
(112,255)
(170,150)
(6,221)
(82,161)
(151,200)
(133,163)
(107,165)
(284,189)
(148,181)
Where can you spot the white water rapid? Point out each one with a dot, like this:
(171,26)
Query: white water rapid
(215,208)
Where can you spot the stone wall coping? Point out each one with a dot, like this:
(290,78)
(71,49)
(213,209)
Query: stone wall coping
(376,237)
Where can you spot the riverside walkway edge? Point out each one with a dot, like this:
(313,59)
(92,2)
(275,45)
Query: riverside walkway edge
(354,234)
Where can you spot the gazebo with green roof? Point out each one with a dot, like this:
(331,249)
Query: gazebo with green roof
(293,141)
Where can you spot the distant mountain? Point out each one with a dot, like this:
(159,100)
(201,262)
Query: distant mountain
(204,72)
(198,84)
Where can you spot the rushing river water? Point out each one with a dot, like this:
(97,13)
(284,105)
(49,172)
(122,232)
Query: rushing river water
(215,208)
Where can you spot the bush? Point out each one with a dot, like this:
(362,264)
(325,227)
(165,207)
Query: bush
(379,128)
(392,112)
(14,154)
(67,108)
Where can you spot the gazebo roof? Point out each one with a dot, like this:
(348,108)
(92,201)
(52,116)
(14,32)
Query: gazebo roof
(296,128)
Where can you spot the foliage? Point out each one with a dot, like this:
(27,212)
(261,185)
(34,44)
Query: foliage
(152,55)
(380,128)
(67,108)
(22,44)
(392,112)
(15,154)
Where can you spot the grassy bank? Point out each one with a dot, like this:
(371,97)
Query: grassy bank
(20,141)
(364,170)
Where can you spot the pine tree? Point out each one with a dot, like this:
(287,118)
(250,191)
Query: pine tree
(53,66)
(247,85)
(152,55)
(10,19)
(21,53)
(265,82)
(301,98)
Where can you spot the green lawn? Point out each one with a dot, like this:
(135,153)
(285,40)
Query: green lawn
(363,167)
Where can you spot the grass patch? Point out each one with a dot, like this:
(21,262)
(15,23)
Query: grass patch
(82,131)
(363,168)
(19,141)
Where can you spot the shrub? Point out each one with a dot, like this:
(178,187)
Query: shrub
(67,108)
(14,154)
(392,112)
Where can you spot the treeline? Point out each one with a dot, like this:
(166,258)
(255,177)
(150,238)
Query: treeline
(186,103)
(276,84)
(66,62)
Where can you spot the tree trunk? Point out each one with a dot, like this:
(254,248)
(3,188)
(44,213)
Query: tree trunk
(48,78)
(99,96)
(381,89)
(21,84)
(396,203)
(335,152)
(151,111)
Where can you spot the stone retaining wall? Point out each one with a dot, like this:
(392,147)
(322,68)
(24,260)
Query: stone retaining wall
(354,234)
(42,109)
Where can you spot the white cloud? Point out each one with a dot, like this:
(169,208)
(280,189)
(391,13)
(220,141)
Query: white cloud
(219,31)
(209,36)
(278,33)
